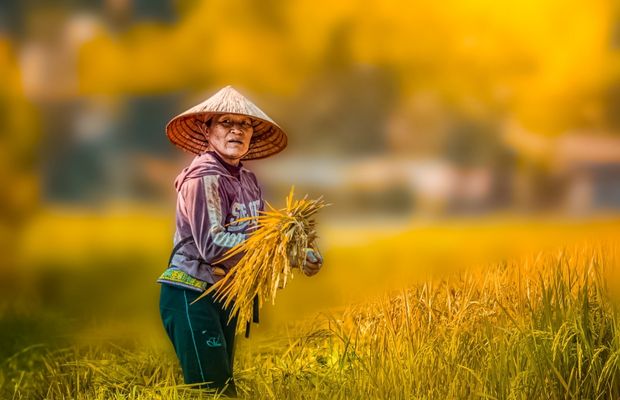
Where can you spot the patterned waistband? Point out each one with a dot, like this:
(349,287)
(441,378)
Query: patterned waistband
(176,276)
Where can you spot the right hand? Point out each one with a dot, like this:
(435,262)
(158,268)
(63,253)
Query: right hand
(313,262)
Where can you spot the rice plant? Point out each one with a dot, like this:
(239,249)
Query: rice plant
(277,244)
(537,326)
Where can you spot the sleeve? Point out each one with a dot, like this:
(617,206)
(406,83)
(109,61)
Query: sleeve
(207,205)
(261,204)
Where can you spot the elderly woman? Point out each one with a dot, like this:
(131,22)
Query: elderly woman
(214,191)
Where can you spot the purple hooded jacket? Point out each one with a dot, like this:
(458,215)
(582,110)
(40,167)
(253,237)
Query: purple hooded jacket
(212,195)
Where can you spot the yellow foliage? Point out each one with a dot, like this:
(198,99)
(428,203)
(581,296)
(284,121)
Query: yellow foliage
(532,56)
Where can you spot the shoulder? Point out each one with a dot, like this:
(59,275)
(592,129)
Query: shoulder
(249,175)
(201,186)
(202,165)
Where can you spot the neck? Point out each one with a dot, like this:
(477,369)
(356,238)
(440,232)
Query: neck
(230,161)
(234,163)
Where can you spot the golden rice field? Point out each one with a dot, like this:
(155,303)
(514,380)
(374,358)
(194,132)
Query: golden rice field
(495,309)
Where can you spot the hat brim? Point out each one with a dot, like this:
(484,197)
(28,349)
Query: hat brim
(184,131)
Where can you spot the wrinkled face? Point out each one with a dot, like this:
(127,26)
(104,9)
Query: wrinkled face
(229,135)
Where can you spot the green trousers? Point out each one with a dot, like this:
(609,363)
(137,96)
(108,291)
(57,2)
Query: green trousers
(203,339)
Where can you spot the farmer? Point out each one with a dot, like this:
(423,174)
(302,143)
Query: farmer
(214,191)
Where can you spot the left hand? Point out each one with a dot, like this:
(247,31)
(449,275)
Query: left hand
(313,262)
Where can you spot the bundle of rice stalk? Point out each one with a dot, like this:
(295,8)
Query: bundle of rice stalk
(278,243)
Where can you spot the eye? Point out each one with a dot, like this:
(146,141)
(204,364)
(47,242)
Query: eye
(246,124)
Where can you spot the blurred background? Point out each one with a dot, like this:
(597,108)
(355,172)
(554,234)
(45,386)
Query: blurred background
(444,133)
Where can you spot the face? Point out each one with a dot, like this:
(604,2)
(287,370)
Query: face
(229,135)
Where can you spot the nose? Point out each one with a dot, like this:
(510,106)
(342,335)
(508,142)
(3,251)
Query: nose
(237,128)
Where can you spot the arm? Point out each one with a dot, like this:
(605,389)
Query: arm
(206,205)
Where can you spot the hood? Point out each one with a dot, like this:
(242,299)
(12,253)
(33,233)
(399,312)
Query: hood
(201,165)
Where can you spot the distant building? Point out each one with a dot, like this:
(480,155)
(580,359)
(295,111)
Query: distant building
(386,184)
(582,169)
(590,164)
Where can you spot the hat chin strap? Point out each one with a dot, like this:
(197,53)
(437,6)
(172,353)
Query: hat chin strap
(202,127)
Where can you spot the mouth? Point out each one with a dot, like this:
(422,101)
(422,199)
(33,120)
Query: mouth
(235,142)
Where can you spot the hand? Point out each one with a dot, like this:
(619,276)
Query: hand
(313,263)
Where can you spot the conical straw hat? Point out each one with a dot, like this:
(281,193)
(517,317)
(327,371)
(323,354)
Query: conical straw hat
(186,132)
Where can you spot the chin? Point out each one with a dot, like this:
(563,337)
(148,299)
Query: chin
(235,156)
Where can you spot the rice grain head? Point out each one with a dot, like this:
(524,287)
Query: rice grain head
(276,245)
